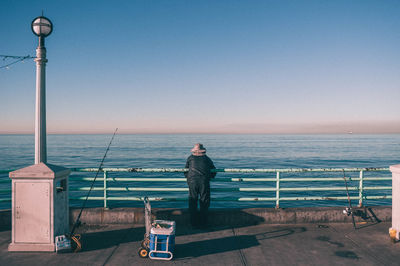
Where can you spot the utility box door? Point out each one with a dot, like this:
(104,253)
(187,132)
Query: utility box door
(32,212)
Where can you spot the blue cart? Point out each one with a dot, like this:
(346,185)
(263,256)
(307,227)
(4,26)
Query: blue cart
(162,240)
(159,239)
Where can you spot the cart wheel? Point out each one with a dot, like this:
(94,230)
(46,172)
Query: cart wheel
(143,253)
(145,244)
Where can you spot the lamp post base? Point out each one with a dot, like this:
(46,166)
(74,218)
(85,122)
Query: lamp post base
(33,247)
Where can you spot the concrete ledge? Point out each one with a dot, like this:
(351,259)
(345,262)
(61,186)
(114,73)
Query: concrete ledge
(234,217)
(231,217)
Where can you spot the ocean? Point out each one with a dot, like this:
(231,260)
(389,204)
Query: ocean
(227,151)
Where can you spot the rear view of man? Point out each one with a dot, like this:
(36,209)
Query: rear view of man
(198,179)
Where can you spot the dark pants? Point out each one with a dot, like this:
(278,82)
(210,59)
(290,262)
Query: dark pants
(199,190)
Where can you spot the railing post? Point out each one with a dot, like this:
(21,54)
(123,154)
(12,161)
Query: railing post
(105,190)
(277,190)
(395,229)
(361,186)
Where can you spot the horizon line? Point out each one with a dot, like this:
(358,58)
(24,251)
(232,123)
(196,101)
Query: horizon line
(206,133)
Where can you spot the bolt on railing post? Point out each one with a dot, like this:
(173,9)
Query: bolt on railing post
(360,195)
(277,190)
(105,190)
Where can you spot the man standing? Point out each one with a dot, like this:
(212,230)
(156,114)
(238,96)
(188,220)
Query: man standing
(198,179)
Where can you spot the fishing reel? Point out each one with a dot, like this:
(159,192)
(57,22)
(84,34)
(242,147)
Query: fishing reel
(348,211)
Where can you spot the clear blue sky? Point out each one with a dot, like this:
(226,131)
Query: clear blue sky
(206,66)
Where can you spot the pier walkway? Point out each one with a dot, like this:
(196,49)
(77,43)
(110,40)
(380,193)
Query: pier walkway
(263,244)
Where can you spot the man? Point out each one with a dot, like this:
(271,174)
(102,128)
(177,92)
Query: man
(198,179)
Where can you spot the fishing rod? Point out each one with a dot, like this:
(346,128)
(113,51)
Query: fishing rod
(76,238)
(348,210)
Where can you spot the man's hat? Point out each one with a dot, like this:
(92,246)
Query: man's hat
(198,149)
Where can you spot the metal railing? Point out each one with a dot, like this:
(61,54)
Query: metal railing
(279,185)
(276,188)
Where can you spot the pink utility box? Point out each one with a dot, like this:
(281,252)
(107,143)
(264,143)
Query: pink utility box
(40,209)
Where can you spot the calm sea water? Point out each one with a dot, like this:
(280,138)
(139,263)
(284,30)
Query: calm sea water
(227,151)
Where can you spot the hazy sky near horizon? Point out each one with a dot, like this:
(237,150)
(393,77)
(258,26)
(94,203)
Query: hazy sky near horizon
(205,66)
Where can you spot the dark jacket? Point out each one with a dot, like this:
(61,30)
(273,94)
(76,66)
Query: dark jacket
(199,168)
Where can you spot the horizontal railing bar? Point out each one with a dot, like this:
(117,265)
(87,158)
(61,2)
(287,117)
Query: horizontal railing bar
(285,170)
(230,170)
(182,179)
(249,189)
(135,170)
(131,179)
(5,200)
(170,189)
(255,179)
(375,178)
(227,170)
(378,188)
(245,199)
(317,198)
(227,189)
(313,179)
(130,198)
(233,198)
(377,197)
(86,189)
(294,198)
(186,189)
(333,198)
(150,199)
(302,179)
(245,179)
(74,178)
(172,199)
(317,188)
(177,179)
(145,179)
(89,198)
(145,189)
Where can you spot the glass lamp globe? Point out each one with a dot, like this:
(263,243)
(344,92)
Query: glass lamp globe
(42,26)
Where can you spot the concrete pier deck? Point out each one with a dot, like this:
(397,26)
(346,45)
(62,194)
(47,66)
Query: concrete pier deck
(262,244)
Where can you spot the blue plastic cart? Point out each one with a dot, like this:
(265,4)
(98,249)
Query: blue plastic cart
(159,239)
(162,240)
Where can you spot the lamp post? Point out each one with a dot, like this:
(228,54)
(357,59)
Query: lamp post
(40,209)
(41,27)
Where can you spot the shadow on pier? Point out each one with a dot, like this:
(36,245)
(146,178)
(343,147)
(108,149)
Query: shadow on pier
(99,240)
(221,231)
(230,243)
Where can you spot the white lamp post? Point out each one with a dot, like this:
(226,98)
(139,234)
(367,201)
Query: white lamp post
(42,27)
(40,209)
